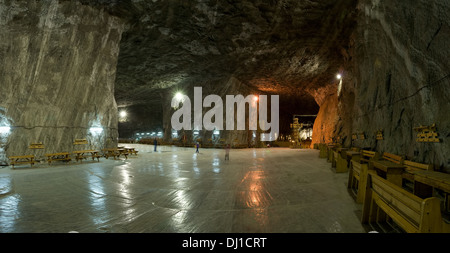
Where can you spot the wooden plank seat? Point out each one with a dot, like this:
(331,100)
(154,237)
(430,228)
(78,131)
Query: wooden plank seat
(23,159)
(357,180)
(80,155)
(63,156)
(385,200)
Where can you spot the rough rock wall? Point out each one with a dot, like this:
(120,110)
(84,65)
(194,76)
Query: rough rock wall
(324,128)
(399,78)
(57,72)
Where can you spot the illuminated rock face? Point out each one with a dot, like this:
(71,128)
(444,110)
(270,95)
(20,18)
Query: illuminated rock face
(399,78)
(57,69)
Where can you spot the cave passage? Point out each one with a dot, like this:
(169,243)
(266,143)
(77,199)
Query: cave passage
(313,116)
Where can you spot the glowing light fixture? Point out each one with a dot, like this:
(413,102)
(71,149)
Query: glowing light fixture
(216,132)
(96,130)
(179,96)
(339,76)
(5,129)
(123,114)
(196,132)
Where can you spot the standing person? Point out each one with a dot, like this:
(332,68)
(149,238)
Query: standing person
(197,147)
(156,143)
(227,152)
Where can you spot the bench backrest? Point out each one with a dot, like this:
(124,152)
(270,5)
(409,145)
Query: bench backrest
(393,158)
(21,157)
(367,156)
(409,211)
(410,165)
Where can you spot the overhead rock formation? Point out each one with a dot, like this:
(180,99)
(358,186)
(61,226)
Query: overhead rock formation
(289,48)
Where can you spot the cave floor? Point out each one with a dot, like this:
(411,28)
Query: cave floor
(272,190)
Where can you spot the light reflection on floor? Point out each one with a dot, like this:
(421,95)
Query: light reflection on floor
(177,190)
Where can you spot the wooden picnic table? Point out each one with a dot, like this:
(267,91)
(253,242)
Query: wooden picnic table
(79,154)
(131,150)
(23,159)
(63,156)
(390,171)
(115,152)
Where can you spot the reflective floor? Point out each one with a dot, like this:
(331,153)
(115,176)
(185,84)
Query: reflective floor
(176,190)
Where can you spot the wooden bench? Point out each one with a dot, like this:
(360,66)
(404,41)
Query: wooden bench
(391,167)
(357,180)
(413,214)
(368,157)
(23,159)
(408,173)
(323,152)
(357,176)
(330,154)
(340,160)
(63,156)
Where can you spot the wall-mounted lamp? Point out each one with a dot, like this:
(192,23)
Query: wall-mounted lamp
(96,130)
(5,129)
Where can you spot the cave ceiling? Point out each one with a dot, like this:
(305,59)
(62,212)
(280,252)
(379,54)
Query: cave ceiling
(276,47)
